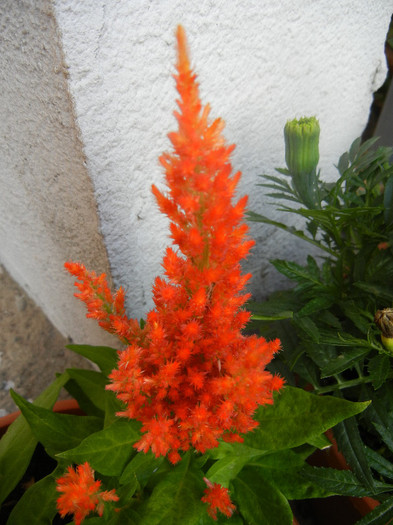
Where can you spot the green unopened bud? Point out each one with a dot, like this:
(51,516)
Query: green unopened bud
(384,320)
(302,145)
(302,156)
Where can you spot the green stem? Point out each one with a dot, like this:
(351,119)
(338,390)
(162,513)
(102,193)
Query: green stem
(346,384)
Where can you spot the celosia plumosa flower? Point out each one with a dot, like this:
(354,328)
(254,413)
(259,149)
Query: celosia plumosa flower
(190,375)
(217,497)
(81,493)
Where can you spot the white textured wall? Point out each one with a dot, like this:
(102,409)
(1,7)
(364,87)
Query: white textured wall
(259,63)
(47,206)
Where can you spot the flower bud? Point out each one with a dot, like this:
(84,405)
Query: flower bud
(384,320)
(301,156)
(302,145)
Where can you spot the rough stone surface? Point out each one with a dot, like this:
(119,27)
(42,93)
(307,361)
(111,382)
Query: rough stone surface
(259,63)
(31,349)
(47,208)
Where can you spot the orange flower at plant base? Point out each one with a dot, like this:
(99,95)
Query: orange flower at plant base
(81,494)
(217,497)
(190,375)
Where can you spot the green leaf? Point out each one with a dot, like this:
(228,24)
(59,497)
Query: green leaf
(307,325)
(315,305)
(321,442)
(104,356)
(351,445)
(226,469)
(141,467)
(341,482)
(92,384)
(388,201)
(379,368)
(296,417)
(37,506)
(284,470)
(18,443)
(344,361)
(57,432)
(109,450)
(176,498)
(385,435)
(380,515)
(260,502)
(379,463)
(343,163)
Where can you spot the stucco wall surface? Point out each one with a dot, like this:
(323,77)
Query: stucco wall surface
(47,205)
(259,63)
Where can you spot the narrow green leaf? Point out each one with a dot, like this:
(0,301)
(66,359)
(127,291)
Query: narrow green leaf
(37,505)
(379,368)
(385,435)
(315,305)
(57,432)
(344,361)
(296,417)
(108,450)
(18,443)
(379,463)
(260,502)
(381,515)
(103,356)
(343,163)
(351,445)
(307,325)
(341,482)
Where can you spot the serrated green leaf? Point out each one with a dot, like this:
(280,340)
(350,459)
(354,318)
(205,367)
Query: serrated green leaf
(379,463)
(344,361)
(315,305)
(381,515)
(385,435)
(57,432)
(379,368)
(108,450)
(296,417)
(259,501)
(343,163)
(103,356)
(18,443)
(307,325)
(341,482)
(354,149)
(351,445)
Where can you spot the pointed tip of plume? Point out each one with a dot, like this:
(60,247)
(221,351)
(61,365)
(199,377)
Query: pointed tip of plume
(183,62)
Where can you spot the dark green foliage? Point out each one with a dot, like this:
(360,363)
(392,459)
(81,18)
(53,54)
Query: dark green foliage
(335,345)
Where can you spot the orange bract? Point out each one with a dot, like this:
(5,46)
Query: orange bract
(81,494)
(190,375)
(217,497)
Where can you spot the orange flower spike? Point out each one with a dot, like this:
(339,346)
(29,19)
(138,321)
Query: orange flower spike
(186,376)
(81,494)
(217,497)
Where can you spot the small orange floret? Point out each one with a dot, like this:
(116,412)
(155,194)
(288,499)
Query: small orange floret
(81,494)
(218,499)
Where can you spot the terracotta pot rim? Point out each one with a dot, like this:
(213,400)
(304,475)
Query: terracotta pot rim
(65,405)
